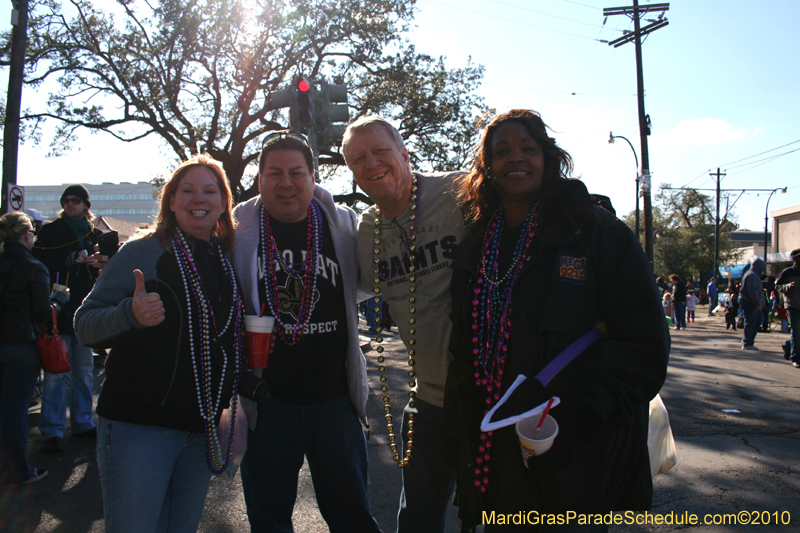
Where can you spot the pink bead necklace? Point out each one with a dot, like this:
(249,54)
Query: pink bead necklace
(491,321)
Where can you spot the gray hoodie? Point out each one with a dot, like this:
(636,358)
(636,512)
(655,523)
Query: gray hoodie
(752,290)
(342,223)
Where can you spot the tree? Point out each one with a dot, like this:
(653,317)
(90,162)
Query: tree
(684,226)
(199,73)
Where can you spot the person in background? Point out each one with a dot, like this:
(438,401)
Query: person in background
(691,305)
(67,248)
(733,298)
(536,247)
(769,287)
(169,308)
(679,301)
(666,304)
(711,290)
(26,299)
(752,302)
(788,284)
(37,219)
(730,316)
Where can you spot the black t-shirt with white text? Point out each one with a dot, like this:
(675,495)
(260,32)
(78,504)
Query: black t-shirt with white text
(312,371)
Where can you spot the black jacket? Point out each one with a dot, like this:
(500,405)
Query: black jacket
(679,292)
(149,375)
(56,247)
(25,295)
(599,461)
(791,296)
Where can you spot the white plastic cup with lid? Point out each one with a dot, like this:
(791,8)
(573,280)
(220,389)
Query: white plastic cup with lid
(534,442)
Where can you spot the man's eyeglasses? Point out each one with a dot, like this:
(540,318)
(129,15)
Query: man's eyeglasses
(73,200)
(32,231)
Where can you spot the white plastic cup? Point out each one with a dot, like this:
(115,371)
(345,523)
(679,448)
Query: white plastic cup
(532,442)
(258,337)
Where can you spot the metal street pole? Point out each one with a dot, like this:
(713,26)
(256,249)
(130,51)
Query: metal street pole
(766,218)
(611,138)
(19,41)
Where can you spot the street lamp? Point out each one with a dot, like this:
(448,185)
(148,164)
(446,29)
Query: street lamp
(611,138)
(766,217)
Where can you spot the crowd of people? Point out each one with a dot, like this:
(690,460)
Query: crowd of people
(750,304)
(480,272)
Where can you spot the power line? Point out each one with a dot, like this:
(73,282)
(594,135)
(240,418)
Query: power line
(571,93)
(762,153)
(512,21)
(579,4)
(546,14)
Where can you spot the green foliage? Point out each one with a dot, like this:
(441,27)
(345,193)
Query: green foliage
(199,73)
(684,233)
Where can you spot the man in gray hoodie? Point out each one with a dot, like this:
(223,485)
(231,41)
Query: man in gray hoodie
(295,258)
(753,302)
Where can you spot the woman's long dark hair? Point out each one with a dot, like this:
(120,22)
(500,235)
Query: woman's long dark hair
(562,198)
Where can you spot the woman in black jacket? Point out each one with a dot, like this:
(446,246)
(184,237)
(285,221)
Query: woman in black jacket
(26,301)
(541,267)
(168,307)
(679,298)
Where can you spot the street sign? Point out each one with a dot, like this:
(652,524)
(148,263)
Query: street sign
(16,197)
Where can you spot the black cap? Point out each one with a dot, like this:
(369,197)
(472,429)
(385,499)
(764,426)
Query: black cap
(79,191)
(795,253)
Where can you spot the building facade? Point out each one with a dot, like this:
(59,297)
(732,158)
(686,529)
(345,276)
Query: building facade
(134,202)
(785,237)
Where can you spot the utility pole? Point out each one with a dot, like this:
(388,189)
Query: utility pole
(635,13)
(719,191)
(19,41)
(718,175)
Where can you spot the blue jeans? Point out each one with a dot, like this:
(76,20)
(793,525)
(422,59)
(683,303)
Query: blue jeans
(153,478)
(752,321)
(329,435)
(713,302)
(53,421)
(794,320)
(19,368)
(430,477)
(680,315)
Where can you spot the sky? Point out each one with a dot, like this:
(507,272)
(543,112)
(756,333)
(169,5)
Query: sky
(721,84)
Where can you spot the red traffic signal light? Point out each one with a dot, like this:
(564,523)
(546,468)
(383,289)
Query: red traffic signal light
(301,113)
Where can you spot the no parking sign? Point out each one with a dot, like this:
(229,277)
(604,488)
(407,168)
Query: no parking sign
(16,197)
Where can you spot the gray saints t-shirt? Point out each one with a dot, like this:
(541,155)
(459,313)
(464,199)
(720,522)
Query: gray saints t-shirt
(440,228)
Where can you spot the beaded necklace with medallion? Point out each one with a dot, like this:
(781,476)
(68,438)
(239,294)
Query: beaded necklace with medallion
(401,459)
(202,333)
(491,321)
(305,272)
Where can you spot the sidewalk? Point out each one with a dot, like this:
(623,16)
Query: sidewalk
(728,462)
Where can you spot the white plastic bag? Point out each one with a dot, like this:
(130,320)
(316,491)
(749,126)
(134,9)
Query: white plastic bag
(660,442)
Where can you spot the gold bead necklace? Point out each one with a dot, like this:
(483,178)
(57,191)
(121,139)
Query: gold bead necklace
(400,458)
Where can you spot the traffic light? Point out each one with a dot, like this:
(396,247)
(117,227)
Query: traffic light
(330,108)
(301,112)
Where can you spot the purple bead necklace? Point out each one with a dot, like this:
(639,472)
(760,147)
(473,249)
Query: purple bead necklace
(491,326)
(201,336)
(306,272)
